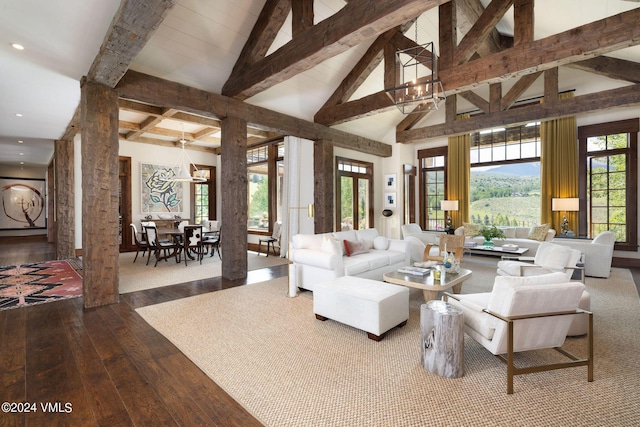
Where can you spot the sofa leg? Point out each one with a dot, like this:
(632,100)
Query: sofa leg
(319,317)
(400,325)
(375,337)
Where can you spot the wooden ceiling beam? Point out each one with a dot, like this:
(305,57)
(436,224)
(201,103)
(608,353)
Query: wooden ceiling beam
(263,33)
(164,143)
(151,122)
(476,100)
(620,97)
(153,90)
(467,13)
(593,39)
(481,29)
(131,28)
(518,89)
(613,68)
(302,16)
(351,25)
(137,107)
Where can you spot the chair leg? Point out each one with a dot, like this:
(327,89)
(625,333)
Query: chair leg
(137,251)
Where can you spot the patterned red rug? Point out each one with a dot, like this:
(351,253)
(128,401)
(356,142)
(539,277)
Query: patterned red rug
(37,283)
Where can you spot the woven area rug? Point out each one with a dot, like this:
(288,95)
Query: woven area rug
(289,369)
(138,276)
(37,283)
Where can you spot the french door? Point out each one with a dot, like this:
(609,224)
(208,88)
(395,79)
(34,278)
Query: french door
(355,195)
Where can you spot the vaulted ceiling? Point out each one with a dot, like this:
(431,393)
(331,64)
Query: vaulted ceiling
(313,61)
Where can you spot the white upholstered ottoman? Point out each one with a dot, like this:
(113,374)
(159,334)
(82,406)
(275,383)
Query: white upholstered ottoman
(372,306)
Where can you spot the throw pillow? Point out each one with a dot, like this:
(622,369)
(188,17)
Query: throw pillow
(539,232)
(381,243)
(472,230)
(509,232)
(331,245)
(353,248)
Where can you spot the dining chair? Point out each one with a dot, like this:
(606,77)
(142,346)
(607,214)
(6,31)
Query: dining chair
(141,242)
(159,246)
(271,240)
(193,242)
(213,241)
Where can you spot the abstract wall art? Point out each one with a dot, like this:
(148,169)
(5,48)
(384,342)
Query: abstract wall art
(23,203)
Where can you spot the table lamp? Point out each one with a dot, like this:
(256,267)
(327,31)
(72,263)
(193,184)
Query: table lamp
(448,205)
(565,204)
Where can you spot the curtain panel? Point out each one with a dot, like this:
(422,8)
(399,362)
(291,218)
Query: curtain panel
(559,167)
(459,175)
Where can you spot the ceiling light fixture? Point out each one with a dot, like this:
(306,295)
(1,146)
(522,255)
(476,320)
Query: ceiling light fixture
(18,115)
(417,87)
(183,174)
(17,46)
(20,141)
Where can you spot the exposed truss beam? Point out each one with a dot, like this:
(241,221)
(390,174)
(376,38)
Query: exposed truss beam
(593,39)
(613,68)
(478,33)
(354,23)
(167,94)
(131,28)
(621,97)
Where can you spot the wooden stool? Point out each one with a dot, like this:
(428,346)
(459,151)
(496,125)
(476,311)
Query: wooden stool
(442,339)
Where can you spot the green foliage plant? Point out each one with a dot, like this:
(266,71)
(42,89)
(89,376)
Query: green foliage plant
(492,232)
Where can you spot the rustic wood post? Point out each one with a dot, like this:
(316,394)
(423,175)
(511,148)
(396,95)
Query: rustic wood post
(100,248)
(233,236)
(65,236)
(323,188)
(442,339)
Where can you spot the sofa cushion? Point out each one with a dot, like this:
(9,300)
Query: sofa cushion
(395,256)
(346,235)
(367,235)
(307,241)
(539,232)
(509,232)
(472,230)
(355,247)
(331,245)
(381,243)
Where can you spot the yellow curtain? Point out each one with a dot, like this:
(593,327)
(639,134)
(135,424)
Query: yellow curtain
(458,175)
(559,167)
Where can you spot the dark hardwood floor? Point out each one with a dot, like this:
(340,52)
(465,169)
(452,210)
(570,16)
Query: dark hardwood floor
(106,366)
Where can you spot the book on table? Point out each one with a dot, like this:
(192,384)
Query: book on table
(415,271)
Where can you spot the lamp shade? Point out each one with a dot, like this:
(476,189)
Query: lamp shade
(566,204)
(449,205)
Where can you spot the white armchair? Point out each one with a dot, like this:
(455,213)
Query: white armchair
(549,258)
(414,230)
(598,252)
(526,313)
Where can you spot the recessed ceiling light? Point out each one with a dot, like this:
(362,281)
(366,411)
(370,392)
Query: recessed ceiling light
(17,46)
(18,115)
(22,163)
(22,154)
(20,141)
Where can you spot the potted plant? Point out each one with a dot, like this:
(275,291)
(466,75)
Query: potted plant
(490,233)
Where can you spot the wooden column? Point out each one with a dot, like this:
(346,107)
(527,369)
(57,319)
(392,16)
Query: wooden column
(100,249)
(323,187)
(65,231)
(51,226)
(234,198)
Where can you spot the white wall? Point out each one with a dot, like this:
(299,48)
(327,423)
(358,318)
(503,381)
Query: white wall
(33,172)
(140,153)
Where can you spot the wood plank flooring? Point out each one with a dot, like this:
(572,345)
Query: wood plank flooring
(107,362)
(106,366)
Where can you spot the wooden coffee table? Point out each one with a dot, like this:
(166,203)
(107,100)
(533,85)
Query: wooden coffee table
(429,286)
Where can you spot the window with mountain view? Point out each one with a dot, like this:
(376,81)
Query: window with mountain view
(609,152)
(505,176)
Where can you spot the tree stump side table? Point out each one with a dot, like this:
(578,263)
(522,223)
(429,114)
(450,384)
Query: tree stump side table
(442,339)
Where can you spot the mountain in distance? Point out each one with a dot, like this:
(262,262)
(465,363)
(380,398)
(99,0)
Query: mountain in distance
(521,169)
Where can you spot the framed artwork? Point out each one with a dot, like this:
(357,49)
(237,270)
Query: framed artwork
(390,182)
(390,200)
(23,203)
(158,194)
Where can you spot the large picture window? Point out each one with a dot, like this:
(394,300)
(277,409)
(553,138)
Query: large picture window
(265,173)
(505,176)
(355,194)
(608,180)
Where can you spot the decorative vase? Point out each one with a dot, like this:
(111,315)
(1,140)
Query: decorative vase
(450,264)
(488,243)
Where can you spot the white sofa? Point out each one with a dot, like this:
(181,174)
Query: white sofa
(598,252)
(513,235)
(320,257)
